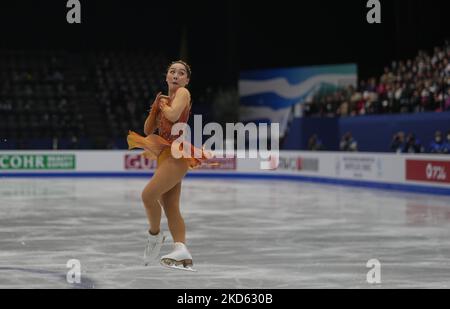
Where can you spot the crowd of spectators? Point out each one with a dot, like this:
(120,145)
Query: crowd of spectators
(439,145)
(415,85)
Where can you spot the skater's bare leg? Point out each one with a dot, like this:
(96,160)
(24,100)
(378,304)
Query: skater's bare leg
(153,211)
(171,204)
(170,173)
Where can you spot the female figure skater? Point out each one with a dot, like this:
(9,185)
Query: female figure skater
(164,188)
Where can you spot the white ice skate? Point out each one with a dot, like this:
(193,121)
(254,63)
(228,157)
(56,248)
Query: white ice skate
(179,258)
(154,244)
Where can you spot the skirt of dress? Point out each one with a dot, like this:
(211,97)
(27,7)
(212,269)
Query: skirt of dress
(157,148)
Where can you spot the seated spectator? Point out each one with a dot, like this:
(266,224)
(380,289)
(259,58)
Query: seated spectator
(314,144)
(348,143)
(446,148)
(412,145)
(438,144)
(398,142)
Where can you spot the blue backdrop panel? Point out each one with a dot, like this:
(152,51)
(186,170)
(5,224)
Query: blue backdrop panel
(373,133)
(327,130)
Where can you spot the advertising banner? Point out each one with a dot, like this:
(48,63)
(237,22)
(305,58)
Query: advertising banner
(385,169)
(37,162)
(428,171)
(359,167)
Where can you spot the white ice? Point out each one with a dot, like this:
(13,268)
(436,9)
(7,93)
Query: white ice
(241,233)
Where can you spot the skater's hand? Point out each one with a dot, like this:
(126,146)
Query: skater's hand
(163,103)
(155,103)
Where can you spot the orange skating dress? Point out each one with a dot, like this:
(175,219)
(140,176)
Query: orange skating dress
(158,146)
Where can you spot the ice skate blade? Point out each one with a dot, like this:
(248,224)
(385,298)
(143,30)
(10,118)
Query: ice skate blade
(188,268)
(185,265)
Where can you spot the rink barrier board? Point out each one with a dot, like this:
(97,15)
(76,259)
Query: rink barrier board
(414,173)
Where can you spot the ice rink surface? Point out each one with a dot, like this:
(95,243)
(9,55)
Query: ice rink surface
(241,233)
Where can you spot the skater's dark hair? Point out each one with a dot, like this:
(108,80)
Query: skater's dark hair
(188,68)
